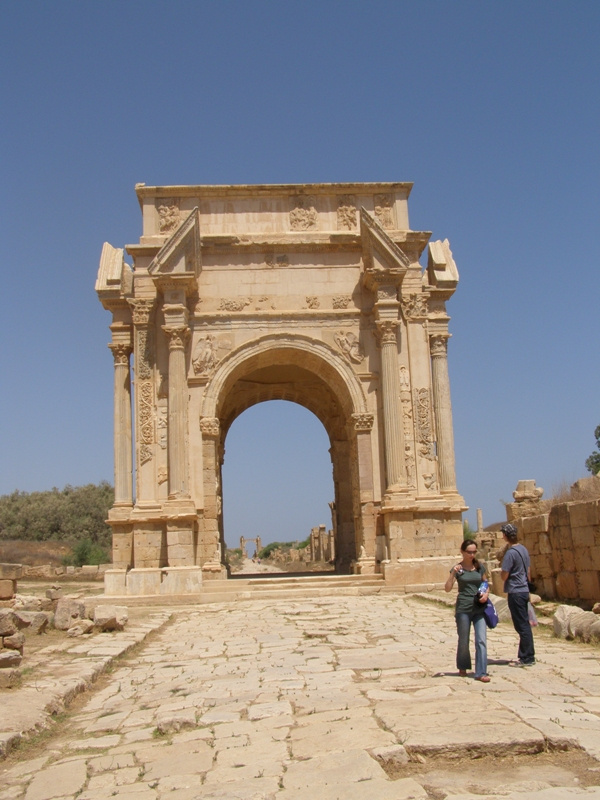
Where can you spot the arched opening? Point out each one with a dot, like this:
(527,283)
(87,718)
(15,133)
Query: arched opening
(277,482)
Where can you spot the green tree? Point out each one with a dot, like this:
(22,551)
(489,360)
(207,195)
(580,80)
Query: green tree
(592,464)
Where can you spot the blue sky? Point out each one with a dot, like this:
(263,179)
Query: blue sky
(491,109)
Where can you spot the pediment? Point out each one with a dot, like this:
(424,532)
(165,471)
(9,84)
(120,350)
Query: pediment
(179,258)
(384,262)
(115,277)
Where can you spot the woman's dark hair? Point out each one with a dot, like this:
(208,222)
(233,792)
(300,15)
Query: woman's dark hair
(467,543)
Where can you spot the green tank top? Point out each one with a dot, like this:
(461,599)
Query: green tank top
(468,583)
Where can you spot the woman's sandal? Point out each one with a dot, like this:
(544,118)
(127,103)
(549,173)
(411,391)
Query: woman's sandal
(483,678)
(462,673)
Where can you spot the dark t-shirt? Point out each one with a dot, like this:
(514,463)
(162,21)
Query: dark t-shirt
(516,562)
(468,584)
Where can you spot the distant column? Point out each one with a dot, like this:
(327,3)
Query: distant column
(443,412)
(122,424)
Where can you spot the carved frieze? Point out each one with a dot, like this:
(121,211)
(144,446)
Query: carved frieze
(341,300)
(407,426)
(234,304)
(303,214)
(312,301)
(169,217)
(414,306)
(146,420)
(204,357)
(162,475)
(422,404)
(384,210)
(387,292)
(346,213)
(349,345)
(272,260)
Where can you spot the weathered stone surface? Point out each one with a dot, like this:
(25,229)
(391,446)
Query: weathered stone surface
(14,642)
(34,621)
(110,618)
(81,627)
(9,658)
(9,677)
(60,780)
(8,622)
(67,612)
(8,589)
(11,572)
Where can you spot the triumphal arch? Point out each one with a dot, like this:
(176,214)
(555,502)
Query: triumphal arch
(311,293)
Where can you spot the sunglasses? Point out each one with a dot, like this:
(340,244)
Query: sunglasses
(471,552)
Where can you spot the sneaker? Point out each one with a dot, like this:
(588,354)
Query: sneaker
(521,663)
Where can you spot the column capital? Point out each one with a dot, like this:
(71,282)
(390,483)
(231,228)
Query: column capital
(121,352)
(439,345)
(141,310)
(177,336)
(387,331)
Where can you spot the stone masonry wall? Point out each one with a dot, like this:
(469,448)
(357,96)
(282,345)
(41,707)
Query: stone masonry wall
(564,545)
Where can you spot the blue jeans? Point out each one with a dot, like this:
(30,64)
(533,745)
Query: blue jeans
(517,604)
(463,655)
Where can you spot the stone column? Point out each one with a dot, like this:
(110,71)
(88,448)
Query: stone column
(209,546)
(177,417)
(443,412)
(390,388)
(145,436)
(122,425)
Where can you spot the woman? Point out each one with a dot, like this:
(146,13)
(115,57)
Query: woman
(469,574)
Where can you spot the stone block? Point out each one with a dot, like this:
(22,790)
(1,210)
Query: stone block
(543,566)
(144,581)
(11,572)
(568,560)
(595,557)
(8,589)
(115,582)
(584,514)
(566,585)
(67,612)
(81,627)
(9,677)
(534,525)
(581,559)
(10,658)
(110,618)
(9,623)
(89,571)
(418,571)
(586,536)
(589,584)
(17,641)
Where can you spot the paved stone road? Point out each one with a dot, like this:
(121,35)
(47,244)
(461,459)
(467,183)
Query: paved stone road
(307,699)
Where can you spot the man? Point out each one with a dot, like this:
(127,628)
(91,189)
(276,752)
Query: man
(516,573)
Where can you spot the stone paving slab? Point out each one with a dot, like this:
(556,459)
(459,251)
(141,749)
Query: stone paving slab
(258,701)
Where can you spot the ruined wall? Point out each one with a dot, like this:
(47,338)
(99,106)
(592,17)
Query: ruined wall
(564,545)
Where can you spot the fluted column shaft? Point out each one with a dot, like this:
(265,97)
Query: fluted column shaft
(122,425)
(392,423)
(177,417)
(443,412)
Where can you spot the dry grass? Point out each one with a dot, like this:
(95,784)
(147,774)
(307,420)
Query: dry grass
(33,554)
(582,490)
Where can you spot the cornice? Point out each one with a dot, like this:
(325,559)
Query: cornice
(266,189)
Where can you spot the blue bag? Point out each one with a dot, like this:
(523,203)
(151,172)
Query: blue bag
(490,614)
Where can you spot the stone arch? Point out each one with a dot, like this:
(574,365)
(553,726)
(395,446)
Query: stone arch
(307,372)
(316,357)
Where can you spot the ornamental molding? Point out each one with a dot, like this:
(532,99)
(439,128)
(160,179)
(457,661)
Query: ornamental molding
(414,306)
(424,432)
